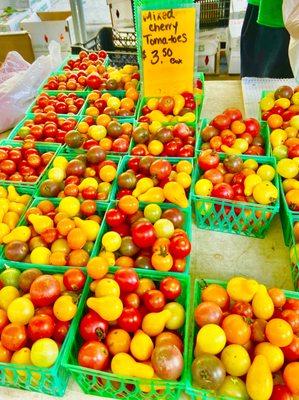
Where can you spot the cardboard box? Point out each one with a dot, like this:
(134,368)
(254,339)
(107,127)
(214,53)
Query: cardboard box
(121,14)
(12,22)
(46,26)
(18,41)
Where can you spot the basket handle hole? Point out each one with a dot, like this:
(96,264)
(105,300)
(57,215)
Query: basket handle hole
(117,13)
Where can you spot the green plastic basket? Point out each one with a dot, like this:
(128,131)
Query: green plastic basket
(264,134)
(172,160)
(194,125)
(187,226)
(75,57)
(101,211)
(286,216)
(52,381)
(15,131)
(81,150)
(120,94)
(295,259)
(197,111)
(42,148)
(248,219)
(55,93)
(70,156)
(106,384)
(199,285)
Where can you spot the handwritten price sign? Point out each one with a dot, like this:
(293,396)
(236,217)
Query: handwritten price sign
(168,40)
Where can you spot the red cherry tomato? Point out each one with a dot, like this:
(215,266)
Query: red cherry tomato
(40,326)
(281,392)
(130,319)
(94,355)
(208,159)
(143,234)
(93,327)
(242,308)
(115,217)
(127,280)
(154,300)
(180,246)
(14,336)
(74,279)
(171,288)
(60,331)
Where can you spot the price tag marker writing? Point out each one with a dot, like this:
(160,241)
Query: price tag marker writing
(168,39)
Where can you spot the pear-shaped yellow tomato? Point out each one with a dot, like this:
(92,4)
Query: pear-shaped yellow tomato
(259,381)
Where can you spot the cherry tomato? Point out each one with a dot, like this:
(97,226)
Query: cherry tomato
(292,317)
(130,319)
(154,300)
(93,327)
(14,337)
(281,392)
(179,246)
(94,355)
(237,331)
(115,217)
(291,352)
(208,159)
(44,290)
(127,280)
(131,300)
(74,279)
(40,326)
(171,288)
(242,308)
(143,234)
(60,331)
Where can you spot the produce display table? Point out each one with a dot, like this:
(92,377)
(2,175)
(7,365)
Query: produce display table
(216,255)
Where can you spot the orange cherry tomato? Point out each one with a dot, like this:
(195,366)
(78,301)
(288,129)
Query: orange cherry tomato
(291,377)
(237,331)
(216,294)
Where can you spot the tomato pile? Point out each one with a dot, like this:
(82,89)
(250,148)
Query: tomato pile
(230,134)
(36,310)
(84,60)
(178,108)
(144,340)
(46,127)
(156,180)
(64,81)
(235,179)
(106,103)
(60,103)
(24,163)
(151,238)
(247,345)
(280,109)
(163,141)
(62,235)
(109,134)
(87,176)
(12,205)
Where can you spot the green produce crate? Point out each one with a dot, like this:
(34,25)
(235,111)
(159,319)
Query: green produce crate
(106,384)
(82,94)
(264,133)
(75,57)
(194,125)
(286,216)
(248,219)
(120,94)
(172,160)
(193,392)
(42,148)
(81,150)
(58,72)
(295,258)
(187,226)
(101,210)
(15,131)
(20,190)
(144,100)
(70,156)
(52,381)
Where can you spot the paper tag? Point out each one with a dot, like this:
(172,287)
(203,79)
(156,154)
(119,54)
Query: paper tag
(168,41)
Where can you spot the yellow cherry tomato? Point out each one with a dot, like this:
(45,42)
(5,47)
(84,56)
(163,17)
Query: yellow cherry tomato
(111,241)
(235,359)
(266,172)
(155,147)
(210,339)
(273,354)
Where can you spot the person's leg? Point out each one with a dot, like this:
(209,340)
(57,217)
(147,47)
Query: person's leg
(248,38)
(272,52)
(264,50)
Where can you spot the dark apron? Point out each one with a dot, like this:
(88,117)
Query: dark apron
(264,50)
